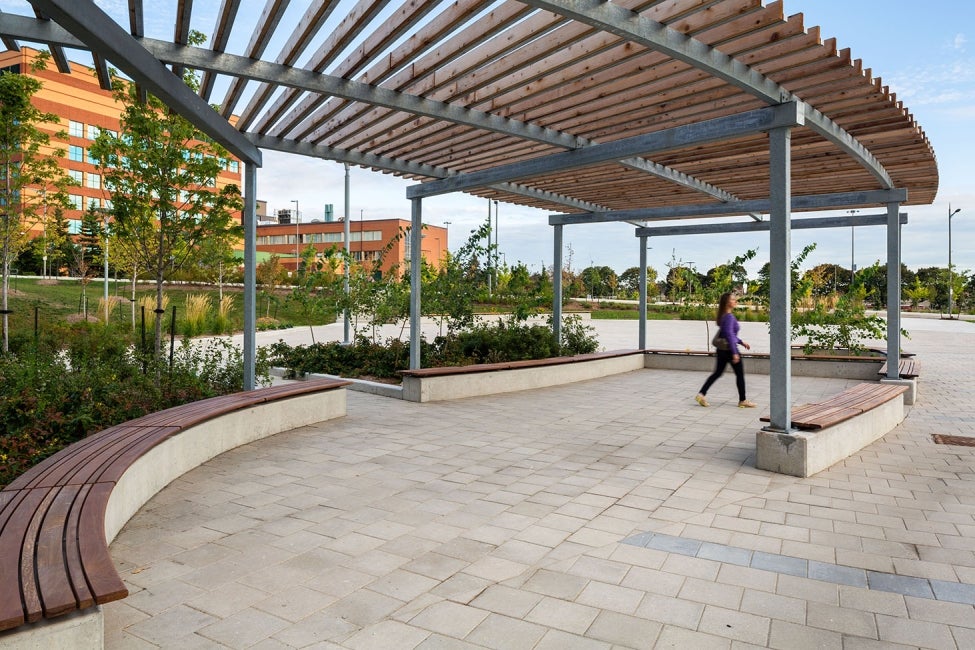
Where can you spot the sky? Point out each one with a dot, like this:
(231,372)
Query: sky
(925,57)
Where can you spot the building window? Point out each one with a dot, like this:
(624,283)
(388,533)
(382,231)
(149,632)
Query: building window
(74,226)
(368,235)
(77,202)
(93,131)
(76,153)
(234,166)
(107,204)
(95,181)
(77,176)
(76,129)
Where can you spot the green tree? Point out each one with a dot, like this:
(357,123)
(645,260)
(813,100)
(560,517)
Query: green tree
(629,281)
(161,171)
(24,167)
(87,250)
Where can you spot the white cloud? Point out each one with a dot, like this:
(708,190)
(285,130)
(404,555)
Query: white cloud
(958,43)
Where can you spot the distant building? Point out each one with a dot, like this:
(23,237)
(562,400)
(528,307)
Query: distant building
(367,239)
(85,110)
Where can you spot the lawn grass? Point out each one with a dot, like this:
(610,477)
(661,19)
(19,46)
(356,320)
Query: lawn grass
(61,300)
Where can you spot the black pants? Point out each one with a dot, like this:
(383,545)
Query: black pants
(723,359)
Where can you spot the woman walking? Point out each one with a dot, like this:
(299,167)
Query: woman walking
(728,330)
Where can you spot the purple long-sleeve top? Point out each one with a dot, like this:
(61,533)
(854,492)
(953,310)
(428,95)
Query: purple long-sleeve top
(729,330)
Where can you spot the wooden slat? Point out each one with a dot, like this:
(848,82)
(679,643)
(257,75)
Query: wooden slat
(844,405)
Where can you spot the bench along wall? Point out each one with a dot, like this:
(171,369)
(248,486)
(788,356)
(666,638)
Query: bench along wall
(57,519)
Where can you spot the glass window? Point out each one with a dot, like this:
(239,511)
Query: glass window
(77,176)
(76,154)
(77,202)
(76,129)
(93,131)
(92,159)
(74,226)
(234,166)
(95,181)
(107,204)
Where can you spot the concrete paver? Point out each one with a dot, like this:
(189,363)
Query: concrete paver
(500,522)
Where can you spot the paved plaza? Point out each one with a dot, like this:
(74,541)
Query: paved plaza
(613,513)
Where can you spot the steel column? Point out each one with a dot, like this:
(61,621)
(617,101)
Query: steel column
(346,316)
(642,341)
(780,280)
(415,264)
(249,218)
(557,284)
(893,291)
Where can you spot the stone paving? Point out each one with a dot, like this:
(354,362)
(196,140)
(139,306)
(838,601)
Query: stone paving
(613,513)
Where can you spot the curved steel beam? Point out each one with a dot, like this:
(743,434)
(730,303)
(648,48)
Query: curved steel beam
(656,36)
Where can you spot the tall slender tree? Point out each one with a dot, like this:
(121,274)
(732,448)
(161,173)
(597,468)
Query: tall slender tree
(162,171)
(30,176)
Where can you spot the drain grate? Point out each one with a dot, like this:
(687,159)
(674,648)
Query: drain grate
(961,441)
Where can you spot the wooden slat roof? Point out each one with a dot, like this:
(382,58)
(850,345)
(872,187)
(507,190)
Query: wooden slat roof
(427,89)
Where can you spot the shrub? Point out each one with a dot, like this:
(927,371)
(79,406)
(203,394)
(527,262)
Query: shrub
(54,394)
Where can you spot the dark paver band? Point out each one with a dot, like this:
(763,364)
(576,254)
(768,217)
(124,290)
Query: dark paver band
(955,592)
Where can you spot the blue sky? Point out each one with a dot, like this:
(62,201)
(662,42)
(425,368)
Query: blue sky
(924,56)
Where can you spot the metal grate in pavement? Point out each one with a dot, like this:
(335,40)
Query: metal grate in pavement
(961,441)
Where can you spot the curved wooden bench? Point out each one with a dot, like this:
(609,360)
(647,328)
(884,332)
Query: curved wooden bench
(54,555)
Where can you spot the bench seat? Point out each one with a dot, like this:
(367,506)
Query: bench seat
(842,406)
(908,368)
(54,556)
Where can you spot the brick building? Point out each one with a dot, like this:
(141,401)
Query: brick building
(367,239)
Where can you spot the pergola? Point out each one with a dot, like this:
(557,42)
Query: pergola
(635,110)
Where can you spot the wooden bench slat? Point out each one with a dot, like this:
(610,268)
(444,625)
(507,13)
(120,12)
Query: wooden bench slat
(53,581)
(93,547)
(19,510)
(76,568)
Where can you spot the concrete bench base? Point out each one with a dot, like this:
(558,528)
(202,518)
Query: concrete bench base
(438,384)
(804,453)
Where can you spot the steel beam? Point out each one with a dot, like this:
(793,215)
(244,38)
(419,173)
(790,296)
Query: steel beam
(642,338)
(402,166)
(732,208)
(631,26)
(747,123)
(762,226)
(103,35)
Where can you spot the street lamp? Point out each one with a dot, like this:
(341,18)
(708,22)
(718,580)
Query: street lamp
(297,235)
(951,278)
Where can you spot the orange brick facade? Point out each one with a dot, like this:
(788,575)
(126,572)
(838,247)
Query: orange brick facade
(367,239)
(84,109)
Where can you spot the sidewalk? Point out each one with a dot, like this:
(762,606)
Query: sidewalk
(607,514)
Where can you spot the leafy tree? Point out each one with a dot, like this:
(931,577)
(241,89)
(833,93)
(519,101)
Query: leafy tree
(827,279)
(87,250)
(269,274)
(801,286)
(26,164)
(917,293)
(161,171)
(629,281)
(599,281)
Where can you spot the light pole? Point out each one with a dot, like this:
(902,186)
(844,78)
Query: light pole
(105,215)
(297,236)
(951,273)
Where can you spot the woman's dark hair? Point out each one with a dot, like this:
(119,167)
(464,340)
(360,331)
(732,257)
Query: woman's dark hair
(723,306)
